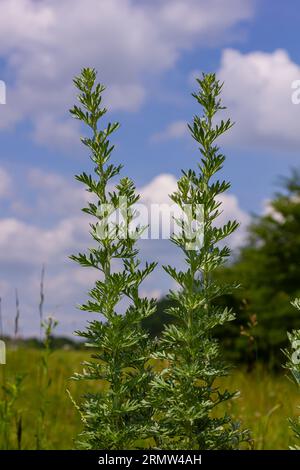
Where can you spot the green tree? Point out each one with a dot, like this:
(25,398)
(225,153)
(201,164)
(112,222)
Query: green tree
(185,392)
(118,416)
(268,267)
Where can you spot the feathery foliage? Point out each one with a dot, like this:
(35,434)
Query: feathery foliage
(118,415)
(293,365)
(185,393)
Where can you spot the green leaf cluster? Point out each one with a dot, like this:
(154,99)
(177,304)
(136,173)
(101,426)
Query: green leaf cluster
(118,415)
(187,394)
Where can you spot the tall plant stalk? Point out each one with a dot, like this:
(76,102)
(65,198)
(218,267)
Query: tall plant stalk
(45,381)
(17,316)
(42,299)
(118,415)
(186,392)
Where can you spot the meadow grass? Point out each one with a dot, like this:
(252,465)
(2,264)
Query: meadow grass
(62,420)
(265,402)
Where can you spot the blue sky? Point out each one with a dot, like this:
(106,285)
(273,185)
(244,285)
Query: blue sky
(147,53)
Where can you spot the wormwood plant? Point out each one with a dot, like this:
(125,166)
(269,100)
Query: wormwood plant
(293,365)
(187,392)
(117,416)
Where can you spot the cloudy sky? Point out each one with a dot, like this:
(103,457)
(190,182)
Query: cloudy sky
(148,53)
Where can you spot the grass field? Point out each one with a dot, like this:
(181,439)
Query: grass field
(265,402)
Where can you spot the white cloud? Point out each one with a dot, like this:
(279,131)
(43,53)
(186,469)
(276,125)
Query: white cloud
(26,244)
(45,43)
(56,194)
(174,130)
(159,189)
(22,242)
(64,285)
(157,210)
(60,132)
(257,92)
(268,209)
(4,288)
(126,97)
(233,211)
(5,183)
